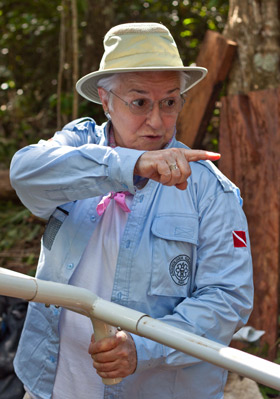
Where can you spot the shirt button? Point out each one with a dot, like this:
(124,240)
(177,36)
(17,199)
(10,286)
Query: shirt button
(141,198)
(127,244)
(93,218)
(70,266)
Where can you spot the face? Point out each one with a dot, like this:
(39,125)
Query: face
(153,130)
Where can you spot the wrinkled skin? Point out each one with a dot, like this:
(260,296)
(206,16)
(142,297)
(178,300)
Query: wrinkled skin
(114,357)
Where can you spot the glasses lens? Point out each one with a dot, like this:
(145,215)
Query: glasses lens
(172,105)
(140,106)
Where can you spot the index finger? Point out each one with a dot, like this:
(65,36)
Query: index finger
(104,345)
(201,155)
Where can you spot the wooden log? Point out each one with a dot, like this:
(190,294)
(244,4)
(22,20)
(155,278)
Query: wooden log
(7,193)
(216,54)
(250,147)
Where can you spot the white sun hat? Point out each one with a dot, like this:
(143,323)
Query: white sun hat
(138,47)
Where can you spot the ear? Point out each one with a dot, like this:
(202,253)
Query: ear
(103,97)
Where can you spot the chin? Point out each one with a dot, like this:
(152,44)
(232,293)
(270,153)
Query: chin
(150,147)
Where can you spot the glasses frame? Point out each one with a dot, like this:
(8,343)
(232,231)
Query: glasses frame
(151,105)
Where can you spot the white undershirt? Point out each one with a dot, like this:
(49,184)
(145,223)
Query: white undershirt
(75,376)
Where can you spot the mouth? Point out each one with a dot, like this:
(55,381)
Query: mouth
(152,137)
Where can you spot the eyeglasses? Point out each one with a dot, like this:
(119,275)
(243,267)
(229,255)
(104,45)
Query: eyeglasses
(142,106)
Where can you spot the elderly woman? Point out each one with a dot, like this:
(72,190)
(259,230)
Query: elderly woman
(139,219)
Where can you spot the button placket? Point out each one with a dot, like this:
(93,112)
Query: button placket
(70,266)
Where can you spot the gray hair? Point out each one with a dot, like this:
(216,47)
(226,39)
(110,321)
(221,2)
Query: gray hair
(111,82)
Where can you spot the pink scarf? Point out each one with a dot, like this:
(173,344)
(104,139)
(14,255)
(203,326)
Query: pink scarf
(118,197)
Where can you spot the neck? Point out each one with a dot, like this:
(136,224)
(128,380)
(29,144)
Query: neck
(111,138)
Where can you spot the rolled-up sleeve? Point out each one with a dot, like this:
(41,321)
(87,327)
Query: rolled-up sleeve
(70,167)
(222,291)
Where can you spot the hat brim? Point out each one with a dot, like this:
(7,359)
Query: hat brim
(87,85)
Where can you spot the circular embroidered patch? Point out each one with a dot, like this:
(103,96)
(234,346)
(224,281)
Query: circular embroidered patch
(179,269)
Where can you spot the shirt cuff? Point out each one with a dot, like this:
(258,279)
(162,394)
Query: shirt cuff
(121,167)
(150,354)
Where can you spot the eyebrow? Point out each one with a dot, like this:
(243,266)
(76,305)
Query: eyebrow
(139,91)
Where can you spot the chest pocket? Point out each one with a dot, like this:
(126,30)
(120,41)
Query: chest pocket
(174,240)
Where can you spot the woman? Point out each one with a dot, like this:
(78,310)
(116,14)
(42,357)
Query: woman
(131,219)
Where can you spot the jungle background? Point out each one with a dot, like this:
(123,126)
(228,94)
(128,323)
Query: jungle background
(44,49)
(36,79)
(46,46)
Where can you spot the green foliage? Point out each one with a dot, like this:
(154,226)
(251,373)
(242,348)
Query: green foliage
(29,56)
(29,50)
(268,393)
(187,20)
(20,232)
(29,63)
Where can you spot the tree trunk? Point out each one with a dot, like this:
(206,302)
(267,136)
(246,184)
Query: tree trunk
(102,13)
(249,143)
(250,147)
(216,54)
(254,26)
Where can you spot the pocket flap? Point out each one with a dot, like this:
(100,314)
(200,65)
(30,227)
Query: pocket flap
(177,227)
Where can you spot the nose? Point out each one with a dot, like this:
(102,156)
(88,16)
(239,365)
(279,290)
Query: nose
(154,117)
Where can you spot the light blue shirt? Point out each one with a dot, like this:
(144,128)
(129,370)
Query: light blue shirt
(177,260)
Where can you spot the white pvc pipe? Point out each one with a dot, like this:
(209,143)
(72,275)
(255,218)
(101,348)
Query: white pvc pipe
(83,301)
(76,299)
(253,367)
(244,364)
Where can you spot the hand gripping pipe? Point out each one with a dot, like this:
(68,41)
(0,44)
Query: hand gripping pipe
(104,314)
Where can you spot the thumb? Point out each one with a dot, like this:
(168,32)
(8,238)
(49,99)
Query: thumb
(121,336)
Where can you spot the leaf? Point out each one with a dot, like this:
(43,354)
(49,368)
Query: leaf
(186,33)
(189,21)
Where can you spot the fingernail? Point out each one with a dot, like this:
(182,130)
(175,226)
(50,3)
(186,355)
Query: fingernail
(213,154)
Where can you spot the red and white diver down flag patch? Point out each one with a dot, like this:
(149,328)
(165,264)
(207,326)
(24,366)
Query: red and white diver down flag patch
(239,239)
